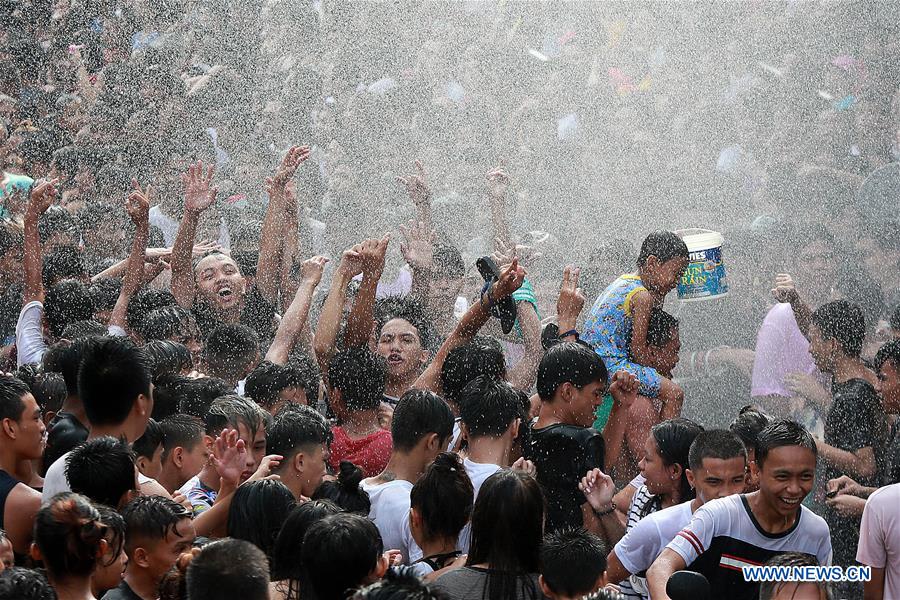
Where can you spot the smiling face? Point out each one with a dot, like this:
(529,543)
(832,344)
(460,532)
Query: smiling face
(220,283)
(401,346)
(662,277)
(786,478)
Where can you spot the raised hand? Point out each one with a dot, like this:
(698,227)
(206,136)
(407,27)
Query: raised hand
(137,204)
(268,464)
(526,466)
(498,183)
(311,270)
(296,156)
(229,457)
(623,388)
(510,280)
(784,290)
(352,261)
(373,253)
(198,192)
(571,299)
(598,488)
(842,485)
(416,185)
(418,248)
(42,196)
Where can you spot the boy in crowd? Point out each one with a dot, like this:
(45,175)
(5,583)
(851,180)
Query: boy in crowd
(148,451)
(69,427)
(272,386)
(404,339)
(22,438)
(228,569)
(115,389)
(718,466)
(157,532)
(356,387)
(103,469)
(421,429)
(227,412)
(573,564)
(571,382)
(745,530)
(791,590)
(184,452)
(300,435)
(230,353)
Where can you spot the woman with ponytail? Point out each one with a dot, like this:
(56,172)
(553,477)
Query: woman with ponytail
(70,539)
(345,491)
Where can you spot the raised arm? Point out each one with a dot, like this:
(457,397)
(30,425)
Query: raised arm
(198,196)
(418,252)
(294,319)
(325,339)
(362,315)
(271,242)
(42,196)
(785,291)
(420,194)
(137,205)
(498,184)
(478,314)
(291,235)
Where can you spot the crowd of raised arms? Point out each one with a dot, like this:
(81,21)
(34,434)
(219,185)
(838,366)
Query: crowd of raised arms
(193,406)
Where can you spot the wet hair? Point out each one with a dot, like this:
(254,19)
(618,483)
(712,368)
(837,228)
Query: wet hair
(67,302)
(150,519)
(231,351)
(661,328)
(507,532)
(12,390)
(65,358)
(11,237)
(195,396)
(268,380)
(83,329)
(146,445)
(287,560)
(64,262)
(568,362)
(231,412)
(770,589)
(360,376)
(257,511)
(167,358)
(487,406)
(782,433)
(448,262)
(115,535)
(572,561)
(143,303)
(229,569)
(57,220)
(673,439)
(443,497)
(889,352)
(180,431)
(49,390)
(481,356)
(417,414)
(715,443)
(68,532)
(102,469)
(402,307)
(843,322)
(894,321)
(398,583)
(346,491)
(113,373)
(747,425)
(295,428)
(339,552)
(19,583)
(166,322)
(664,245)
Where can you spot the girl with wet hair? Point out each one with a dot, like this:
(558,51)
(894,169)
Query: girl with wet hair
(71,540)
(345,491)
(287,560)
(257,512)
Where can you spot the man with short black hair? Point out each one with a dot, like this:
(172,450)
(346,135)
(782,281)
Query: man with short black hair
(228,569)
(184,454)
(573,564)
(300,435)
(230,353)
(103,469)
(272,386)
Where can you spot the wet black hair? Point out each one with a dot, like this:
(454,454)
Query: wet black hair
(481,356)
(229,569)
(166,322)
(673,439)
(65,358)
(294,428)
(57,220)
(783,433)
(49,390)
(83,329)
(417,414)
(115,534)
(448,261)
(258,509)
(339,552)
(572,561)
(268,380)
(568,362)
(287,559)
(715,443)
(889,352)
(146,445)
(443,497)
(843,322)
(19,583)
(507,533)
(112,374)
(232,411)
(360,376)
(12,390)
(231,351)
(167,358)
(747,425)
(398,583)
(11,236)
(64,262)
(150,519)
(488,406)
(105,293)
(894,320)
(102,469)
(664,245)
(143,302)
(661,328)
(411,311)
(180,431)
(67,302)
(68,532)
(345,492)
(195,396)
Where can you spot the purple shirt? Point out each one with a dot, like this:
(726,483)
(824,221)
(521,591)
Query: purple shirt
(780,349)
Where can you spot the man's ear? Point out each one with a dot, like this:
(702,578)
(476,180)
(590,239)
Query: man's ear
(35,553)
(690,477)
(178,457)
(143,405)
(433,442)
(139,557)
(297,461)
(8,426)
(545,588)
(415,519)
(380,568)
(514,428)
(602,580)
(464,430)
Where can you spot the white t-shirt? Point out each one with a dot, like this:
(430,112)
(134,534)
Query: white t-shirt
(390,513)
(879,537)
(645,541)
(478,473)
(30,345)
(55,481)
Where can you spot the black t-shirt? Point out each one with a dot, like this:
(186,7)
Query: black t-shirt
(122,592)
(890,471)
(258,314)
(65,432)
(563,454)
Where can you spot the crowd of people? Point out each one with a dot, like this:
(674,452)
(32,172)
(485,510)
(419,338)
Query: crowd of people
(220,378)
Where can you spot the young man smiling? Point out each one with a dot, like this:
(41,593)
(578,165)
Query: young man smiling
(748,530)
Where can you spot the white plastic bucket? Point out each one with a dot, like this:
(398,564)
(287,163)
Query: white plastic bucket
(705,277)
